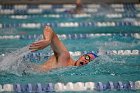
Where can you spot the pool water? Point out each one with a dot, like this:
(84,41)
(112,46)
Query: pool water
(103,69)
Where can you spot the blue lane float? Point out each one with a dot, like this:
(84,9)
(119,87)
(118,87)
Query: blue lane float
(57,16)
(70,86)
(36,57)
(41,57)
(45,8)
(72,24)
(68,6)
(33,87)
(70,36)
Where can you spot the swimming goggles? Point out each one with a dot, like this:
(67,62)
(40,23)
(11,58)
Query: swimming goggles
(87,57)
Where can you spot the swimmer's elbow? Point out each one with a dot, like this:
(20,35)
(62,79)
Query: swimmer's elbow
(48,33)
(66,55)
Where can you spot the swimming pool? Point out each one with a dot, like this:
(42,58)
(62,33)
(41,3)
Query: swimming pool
(116,37)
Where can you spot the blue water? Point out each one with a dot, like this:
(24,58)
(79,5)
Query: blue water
(103,69)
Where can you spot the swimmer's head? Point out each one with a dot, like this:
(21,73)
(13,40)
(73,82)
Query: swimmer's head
(85,59)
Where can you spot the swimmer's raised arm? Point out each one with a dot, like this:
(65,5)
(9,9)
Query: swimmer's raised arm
(61,57)
(41,44)
(50,38)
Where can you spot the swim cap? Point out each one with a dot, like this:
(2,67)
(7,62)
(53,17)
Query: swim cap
(94,55)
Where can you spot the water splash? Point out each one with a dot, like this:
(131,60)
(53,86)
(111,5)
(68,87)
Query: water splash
(12,62)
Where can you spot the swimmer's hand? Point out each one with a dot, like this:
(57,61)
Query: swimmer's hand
(41,44)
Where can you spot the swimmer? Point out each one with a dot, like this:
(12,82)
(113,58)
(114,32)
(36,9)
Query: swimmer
(61,57)
(79,6)
(78,9)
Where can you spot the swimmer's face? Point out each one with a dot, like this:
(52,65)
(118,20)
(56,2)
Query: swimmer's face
(84,59)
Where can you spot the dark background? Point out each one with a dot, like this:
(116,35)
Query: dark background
(64,1)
